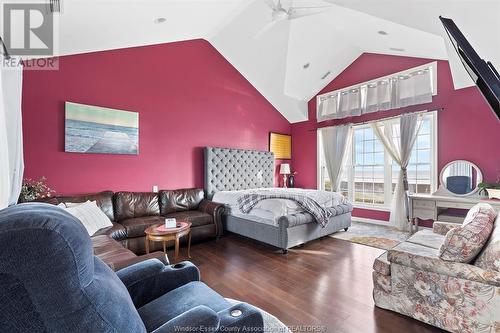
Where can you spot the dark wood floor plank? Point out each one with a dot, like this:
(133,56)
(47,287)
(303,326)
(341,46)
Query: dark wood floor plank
(327,282)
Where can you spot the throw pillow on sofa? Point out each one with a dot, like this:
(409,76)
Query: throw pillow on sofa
(90,215)
(463,244)
(489,258)
(480,208)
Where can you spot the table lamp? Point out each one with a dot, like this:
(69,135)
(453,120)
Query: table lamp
(284,170)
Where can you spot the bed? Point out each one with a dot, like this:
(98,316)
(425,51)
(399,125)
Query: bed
(231,171)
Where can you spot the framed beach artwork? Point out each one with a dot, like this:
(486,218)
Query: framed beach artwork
(98,130)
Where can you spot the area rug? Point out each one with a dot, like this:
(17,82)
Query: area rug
(271,323)
(374,235)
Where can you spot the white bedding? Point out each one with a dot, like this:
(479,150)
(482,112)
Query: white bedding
(270,210)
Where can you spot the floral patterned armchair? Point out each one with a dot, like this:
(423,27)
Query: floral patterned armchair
(413,280)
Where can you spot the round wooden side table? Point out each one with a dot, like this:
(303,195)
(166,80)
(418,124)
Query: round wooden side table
(158,233)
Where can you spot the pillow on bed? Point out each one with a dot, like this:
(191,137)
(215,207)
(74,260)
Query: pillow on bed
(280,207)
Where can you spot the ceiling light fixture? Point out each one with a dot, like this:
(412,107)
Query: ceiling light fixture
(160,20)
(397,49)
(382,32)
(306,65)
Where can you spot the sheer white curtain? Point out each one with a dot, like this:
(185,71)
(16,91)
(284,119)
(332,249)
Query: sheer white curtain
(414,88)
(11,140)
(399,142)
(399,90)
(336,141)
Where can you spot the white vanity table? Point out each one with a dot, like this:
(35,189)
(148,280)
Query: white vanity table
(429,206)
(458,190)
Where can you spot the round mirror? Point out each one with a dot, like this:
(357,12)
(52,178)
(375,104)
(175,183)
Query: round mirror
(461,177)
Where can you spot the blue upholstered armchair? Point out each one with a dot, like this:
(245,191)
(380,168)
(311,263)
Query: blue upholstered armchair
(50,281)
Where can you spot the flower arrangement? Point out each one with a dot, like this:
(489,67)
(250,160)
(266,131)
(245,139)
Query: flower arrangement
(35,189)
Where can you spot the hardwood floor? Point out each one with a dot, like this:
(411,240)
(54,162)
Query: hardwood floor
(326,283)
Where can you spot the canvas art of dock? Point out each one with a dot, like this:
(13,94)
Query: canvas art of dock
(98,130)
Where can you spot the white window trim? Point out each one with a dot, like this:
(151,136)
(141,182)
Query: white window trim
(388,172)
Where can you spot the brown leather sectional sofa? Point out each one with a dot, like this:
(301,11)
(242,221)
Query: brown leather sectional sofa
(132,212)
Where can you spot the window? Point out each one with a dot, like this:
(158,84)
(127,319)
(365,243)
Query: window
(370,175)
(368,167)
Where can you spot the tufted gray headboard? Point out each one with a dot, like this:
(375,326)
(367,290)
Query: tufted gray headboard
(229,169)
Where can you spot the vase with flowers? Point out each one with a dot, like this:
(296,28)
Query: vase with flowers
(32,190)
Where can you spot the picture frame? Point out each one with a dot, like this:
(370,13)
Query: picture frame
(281,145)
(99,130)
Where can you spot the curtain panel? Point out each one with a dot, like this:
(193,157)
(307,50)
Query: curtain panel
(398,142)
(11,138)
(336,141)
(401,90)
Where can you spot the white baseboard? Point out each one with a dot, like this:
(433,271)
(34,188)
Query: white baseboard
(372,221)
(380,222)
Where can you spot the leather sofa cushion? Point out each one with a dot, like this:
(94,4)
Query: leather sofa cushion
(135,227)
(113,254)
(135,204)
(196,218)
(109,250)
(198,234)
(180,200)
(116,231)
(103,199)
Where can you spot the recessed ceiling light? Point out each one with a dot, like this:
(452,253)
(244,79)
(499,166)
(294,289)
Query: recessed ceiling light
(306,65)
(382,32)
(160,20)
(397,49)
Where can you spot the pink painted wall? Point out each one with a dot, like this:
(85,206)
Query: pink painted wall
(467,129)
(187,95)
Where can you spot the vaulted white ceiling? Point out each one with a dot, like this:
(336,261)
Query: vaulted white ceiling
(274,61)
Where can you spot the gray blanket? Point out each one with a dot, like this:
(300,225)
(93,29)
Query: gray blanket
(248,201)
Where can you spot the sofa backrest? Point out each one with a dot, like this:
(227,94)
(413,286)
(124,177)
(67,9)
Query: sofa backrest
(489,258)
(172,201)
(50,281)
(135,204)
(103,199)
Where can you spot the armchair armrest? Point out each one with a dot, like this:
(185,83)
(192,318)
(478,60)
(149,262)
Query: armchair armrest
(217,211)
(442,228)
(449,268)
(250,319)
(197,319)
(150,279)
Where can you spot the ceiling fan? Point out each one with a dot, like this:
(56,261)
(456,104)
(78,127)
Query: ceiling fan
(280,13)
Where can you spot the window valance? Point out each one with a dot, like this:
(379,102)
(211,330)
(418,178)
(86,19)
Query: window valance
(411,87)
